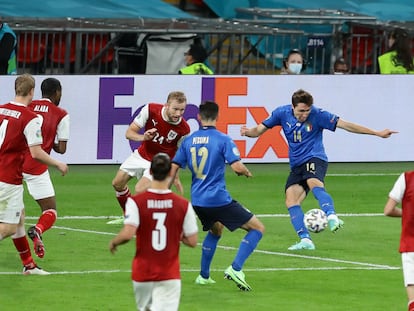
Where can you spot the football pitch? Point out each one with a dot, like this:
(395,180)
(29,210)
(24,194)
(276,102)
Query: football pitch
(358,268)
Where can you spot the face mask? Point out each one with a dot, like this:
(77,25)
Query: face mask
(295,68)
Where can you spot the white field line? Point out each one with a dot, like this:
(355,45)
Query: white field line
(357,265)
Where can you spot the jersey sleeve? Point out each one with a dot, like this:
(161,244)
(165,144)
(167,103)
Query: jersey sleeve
(231,152)
(143,116)
(131,213)
(180,156)
(397,192)
(190,222)
(327,119)
(33,132)
(273,119)
(62,133)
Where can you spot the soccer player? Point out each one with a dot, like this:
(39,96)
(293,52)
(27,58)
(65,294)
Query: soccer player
(303,126)
(206,153)
(20,129)
(402,193)
(160,219)
(55,126)
(164,129)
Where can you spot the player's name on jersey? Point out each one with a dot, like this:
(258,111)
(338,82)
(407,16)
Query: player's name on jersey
(159,203)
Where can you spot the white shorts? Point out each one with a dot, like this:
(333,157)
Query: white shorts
(39,186)
(11,203)
(157,296)
(137,166)
(408,268)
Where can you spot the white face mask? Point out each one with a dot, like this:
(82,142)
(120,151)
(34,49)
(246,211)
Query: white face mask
(295,68)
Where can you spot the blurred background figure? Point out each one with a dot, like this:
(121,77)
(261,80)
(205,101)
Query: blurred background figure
(399,58)
(194,59)
(8,44)
(293,63)
(340,66)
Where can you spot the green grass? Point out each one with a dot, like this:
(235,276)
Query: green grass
(356,269)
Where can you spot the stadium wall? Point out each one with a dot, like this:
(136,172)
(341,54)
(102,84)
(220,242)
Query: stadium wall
(102,107)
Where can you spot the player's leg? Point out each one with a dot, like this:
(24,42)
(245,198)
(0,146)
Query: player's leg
(214,230)
(143,294)
(40,187)
(295,194)
(249,243)
(11,197)
(120,184)
(315,176)
(22,246)
(208,250)
(408,273)
(144,182)
(236,216)
(166,295)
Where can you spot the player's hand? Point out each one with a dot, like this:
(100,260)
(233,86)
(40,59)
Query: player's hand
(150,134)
(386,133)
(243,130)
(112,247)
(63,168)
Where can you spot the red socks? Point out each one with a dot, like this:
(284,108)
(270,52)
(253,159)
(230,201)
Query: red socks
(122,198)
(46,220)
(22,246)
(411,306)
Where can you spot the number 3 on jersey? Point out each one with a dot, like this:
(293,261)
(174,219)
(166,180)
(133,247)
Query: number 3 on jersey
(159,234)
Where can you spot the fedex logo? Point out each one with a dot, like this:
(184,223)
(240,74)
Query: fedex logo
(217,89)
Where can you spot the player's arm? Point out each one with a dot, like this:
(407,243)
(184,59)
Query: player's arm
(190,228)
(359,129)
(132,133)
(173,173)
(126,234)
(240,169)
(60,146)
(254,131)
(39,154)
(391,209)
(62,135)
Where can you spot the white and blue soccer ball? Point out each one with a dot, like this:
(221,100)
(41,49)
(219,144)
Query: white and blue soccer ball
(315,220)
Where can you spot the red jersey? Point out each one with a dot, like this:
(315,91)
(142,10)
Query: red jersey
(52,116)
(167,136)
(161,222)
(19,128)
(407,204)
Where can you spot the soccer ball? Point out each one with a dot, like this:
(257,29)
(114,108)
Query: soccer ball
(315,220)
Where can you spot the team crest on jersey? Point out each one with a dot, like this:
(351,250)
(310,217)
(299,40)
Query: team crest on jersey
(171,135)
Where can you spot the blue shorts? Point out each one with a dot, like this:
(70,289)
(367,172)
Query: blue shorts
(232,216)
(313,168)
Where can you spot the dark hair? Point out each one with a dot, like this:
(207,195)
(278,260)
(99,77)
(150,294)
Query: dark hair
(291,52)
(402,46)
(208,110)
(340,61)
(198,53)
(301,96)
(49,87)
(160,166)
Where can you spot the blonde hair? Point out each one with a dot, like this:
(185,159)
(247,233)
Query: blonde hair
(24,84)
(178,96)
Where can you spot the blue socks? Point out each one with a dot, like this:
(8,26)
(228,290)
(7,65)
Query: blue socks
(296,218)
(208,249)
(324,199)
(247,246)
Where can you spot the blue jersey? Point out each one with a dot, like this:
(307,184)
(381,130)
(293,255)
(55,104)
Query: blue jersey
(206,153)
(304,139)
